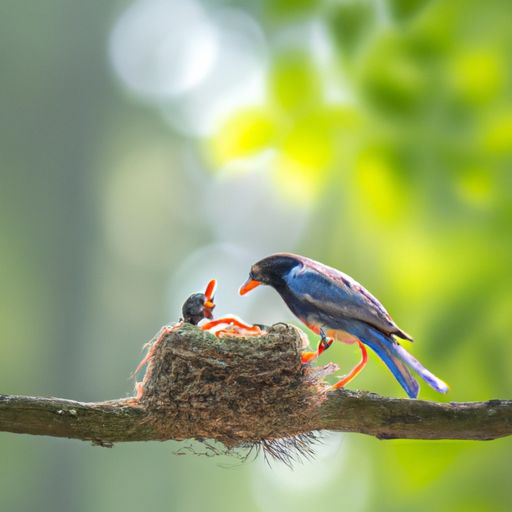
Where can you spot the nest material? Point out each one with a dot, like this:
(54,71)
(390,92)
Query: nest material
(237,390)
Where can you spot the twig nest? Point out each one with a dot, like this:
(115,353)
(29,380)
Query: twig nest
(237,390)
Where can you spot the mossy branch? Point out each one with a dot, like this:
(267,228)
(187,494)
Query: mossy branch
(246,390)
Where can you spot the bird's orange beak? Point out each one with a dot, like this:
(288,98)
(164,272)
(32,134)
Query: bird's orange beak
(209,305)
(248,286)
(210,289)
(208,309)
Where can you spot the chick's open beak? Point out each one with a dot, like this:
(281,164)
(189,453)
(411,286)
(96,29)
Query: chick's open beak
(209,293)
(248,286)
(208,309)
(210,289)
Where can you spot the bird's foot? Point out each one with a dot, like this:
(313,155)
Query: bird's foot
(325,341)
(308,357)
(355,371)
(323,345)
(340,384)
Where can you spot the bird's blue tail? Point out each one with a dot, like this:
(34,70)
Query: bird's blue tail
(433,381)
(397,359)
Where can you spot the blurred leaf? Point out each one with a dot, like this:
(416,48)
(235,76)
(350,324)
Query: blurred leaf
(351,23)
(244,134)
(286,8)
(297,182)
(344,117)
(477,75)
(403,10)
(381,189)
(392,79)
(476,187)
(294,83)
(497,132)
(309,144)
(307,151)
(436,29)
(424,47)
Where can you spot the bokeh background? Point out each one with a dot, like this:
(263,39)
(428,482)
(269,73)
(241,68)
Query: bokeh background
(147,146)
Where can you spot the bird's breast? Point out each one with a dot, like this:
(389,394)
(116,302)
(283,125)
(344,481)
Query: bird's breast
(316,319)
(337,334)
(342,336)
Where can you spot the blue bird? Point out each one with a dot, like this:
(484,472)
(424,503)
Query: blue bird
(337,307)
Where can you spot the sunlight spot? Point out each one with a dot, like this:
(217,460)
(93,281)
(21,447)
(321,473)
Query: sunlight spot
(161,48)
(235,80)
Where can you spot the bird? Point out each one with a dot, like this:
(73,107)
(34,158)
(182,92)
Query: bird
(199,305)
(337,307)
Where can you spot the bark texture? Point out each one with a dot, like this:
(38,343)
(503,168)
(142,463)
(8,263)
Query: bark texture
(240,391)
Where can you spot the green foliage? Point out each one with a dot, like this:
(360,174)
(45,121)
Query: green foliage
(394,79)
(294,84)
(352,23)
(391,134)
(283,9)
(404,10)
(246,133)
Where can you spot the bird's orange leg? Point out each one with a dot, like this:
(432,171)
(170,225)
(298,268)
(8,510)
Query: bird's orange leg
(307,357)
(324,344)
(356,370)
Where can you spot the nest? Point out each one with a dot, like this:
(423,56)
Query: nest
(241,391)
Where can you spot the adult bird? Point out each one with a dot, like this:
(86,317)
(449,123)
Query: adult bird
(337,307)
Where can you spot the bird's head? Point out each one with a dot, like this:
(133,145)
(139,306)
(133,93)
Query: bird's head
(200,305)
(270,271)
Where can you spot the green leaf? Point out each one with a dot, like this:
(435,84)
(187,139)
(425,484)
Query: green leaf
(404,10)
(351,23)
(244,134)
(294,83)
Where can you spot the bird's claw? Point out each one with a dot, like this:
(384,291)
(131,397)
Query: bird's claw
(308,357)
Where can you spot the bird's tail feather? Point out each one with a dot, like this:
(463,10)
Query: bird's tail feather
(397,359)
(433,381)
(385,349)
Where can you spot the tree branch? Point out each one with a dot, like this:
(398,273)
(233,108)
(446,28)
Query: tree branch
(246,390)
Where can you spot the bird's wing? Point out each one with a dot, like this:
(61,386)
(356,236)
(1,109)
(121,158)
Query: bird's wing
(338,295)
